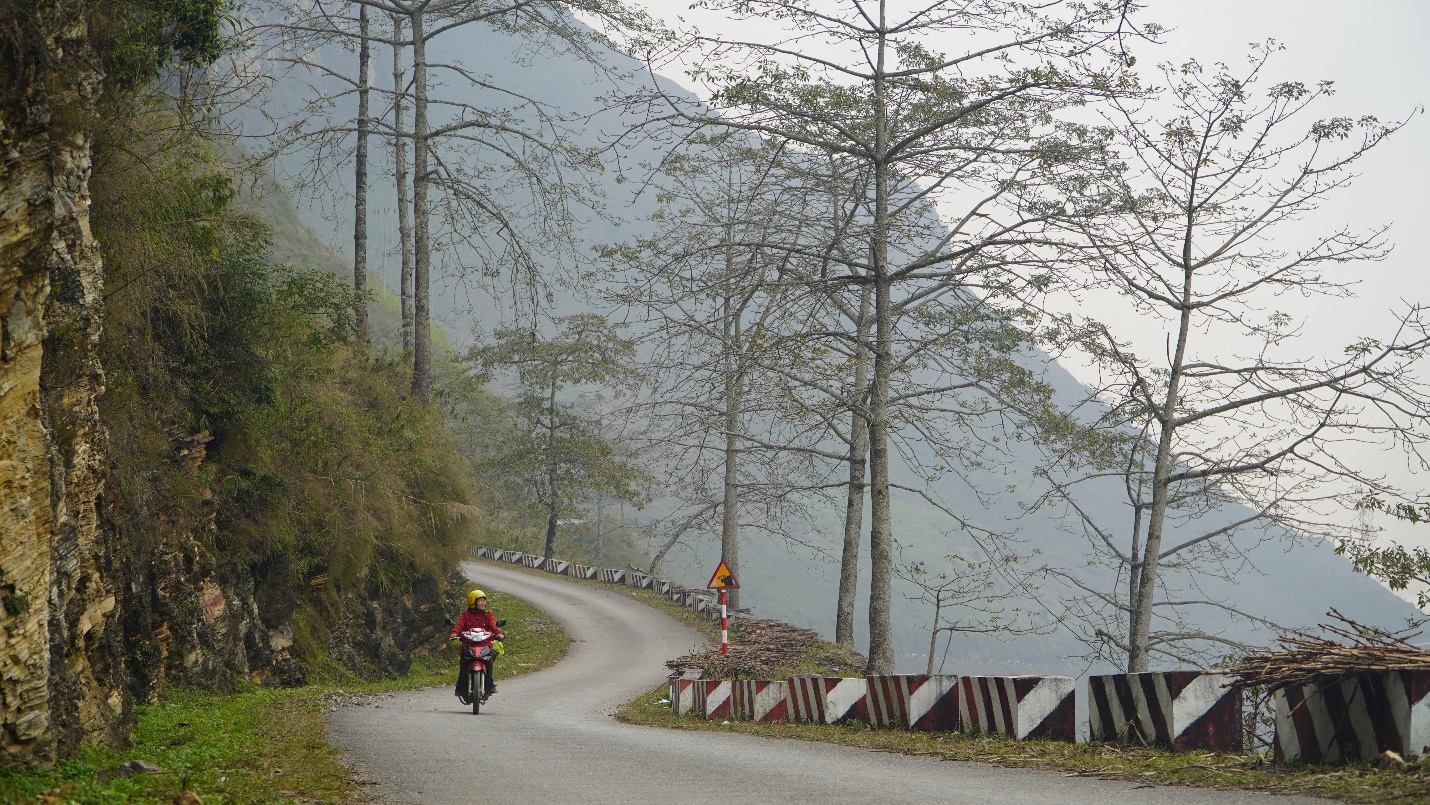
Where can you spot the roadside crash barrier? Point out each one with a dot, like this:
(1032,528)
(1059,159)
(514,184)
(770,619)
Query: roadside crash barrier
(682,691)
(662,586)
(712,698)
(826,699)
(560,567)
(1355,719)
(516,557)
(639,580)
(913,701)
(611,576)
(533,561)
(1181,710)
(759,700)
(482,552)
(1020,707)
(583,571)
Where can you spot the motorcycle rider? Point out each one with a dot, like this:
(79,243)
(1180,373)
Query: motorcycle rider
(477,616)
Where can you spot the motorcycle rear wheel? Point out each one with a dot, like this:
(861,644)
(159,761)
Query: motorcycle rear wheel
(476,684)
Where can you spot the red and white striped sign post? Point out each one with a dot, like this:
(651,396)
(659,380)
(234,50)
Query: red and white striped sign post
(724,581)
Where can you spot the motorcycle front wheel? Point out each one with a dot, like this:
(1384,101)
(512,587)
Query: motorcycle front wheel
(476,682)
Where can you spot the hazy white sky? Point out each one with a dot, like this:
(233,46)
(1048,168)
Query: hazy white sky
(1376,51)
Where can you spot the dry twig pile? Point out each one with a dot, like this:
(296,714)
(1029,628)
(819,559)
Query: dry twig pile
(1307,658)
(760,648)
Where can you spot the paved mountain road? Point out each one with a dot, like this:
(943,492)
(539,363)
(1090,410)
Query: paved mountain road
(549,736)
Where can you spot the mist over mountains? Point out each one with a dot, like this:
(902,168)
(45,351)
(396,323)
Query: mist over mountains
(1277,577)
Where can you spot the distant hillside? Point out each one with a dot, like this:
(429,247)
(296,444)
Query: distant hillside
(1290,585)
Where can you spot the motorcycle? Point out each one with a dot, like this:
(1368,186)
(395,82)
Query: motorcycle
(477,660)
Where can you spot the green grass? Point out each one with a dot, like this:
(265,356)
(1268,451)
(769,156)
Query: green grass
(263,745)
(1359,783)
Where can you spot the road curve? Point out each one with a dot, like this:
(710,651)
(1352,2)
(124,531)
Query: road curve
(549,736)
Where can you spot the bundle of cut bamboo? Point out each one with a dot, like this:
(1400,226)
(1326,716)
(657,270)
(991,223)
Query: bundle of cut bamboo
(1305,658)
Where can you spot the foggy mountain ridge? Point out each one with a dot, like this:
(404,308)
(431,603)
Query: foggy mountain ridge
(1290,585)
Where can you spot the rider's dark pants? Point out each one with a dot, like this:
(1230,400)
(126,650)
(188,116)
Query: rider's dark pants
(462,676)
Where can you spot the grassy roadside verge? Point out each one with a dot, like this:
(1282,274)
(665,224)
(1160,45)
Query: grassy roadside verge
(1359,782)
(1355,783)
(262,745)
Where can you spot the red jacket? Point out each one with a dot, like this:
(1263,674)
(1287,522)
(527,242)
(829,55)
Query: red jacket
(477,619)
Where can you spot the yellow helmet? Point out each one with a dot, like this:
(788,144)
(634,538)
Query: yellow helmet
(473,596)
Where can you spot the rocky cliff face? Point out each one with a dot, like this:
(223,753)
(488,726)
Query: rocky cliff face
(92,617)
(58,683)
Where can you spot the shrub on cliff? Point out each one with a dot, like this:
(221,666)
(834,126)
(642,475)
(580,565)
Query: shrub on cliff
(275,491)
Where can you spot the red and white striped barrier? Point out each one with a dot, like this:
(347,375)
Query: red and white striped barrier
(533,561)
(682,691)
(1020,707)
(1181,710)
(827,699)
(913,701)
(712,698)
(639,580)
(662,586)
(611,576)
(482,552)
(583,571)
(560,567)
(759,700)
(1355,718)
(516,557)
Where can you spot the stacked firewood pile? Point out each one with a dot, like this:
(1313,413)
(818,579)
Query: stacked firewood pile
(1305,658)
(761,649)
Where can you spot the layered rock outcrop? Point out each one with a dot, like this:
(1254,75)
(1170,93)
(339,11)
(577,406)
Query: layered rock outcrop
(57,607)
(93,618)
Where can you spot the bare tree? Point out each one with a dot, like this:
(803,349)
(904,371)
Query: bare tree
(557,446)
(881,89)
(967,597)
(360,178)
(712,309)
(1240,431)
(498,179)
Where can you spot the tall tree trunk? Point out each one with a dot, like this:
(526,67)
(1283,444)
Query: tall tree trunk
(730,506)
(881,541)
(933,632)
(360,183)
(422,246)
(1138,659)
(404,220)
(858,475)
(550,531)
(551,469)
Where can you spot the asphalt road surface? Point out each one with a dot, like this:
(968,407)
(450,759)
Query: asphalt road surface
(549,736)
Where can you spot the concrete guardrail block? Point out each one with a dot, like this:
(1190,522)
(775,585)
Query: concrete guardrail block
(1020,707)
(827,699)
(913,701)
(1355,719)
(1181,710)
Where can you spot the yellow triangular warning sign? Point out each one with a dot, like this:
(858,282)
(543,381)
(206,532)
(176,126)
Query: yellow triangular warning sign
(723,579)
